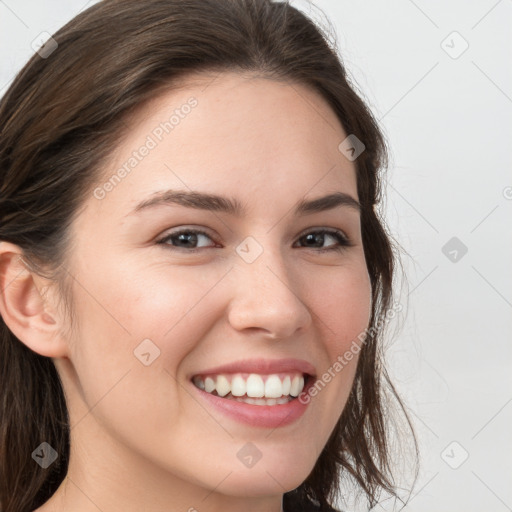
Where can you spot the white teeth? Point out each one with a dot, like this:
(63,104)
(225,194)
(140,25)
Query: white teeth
(209,384)
(297,385)
(255,389)
(273,387)
(222,386)
(255,386)
(287,382)
(238,386)
(264,401)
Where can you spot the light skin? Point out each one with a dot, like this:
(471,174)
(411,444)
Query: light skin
(138,439)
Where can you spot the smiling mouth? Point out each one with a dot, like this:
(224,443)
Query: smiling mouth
(254,388)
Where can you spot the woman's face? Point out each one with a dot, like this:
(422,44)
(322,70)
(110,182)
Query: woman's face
(156,309)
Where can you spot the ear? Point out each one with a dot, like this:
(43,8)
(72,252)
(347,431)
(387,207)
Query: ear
(24,309)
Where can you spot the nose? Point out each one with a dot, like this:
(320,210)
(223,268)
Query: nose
(267,298)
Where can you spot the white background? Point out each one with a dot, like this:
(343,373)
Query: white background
(449,123)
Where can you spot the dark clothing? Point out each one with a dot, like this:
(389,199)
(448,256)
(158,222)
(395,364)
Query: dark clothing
(292,502)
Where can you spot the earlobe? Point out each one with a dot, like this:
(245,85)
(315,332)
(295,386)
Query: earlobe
(24,309)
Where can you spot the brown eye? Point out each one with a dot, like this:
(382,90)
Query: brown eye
(188,237)
(315,239)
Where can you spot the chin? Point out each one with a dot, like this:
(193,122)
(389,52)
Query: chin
(266,479)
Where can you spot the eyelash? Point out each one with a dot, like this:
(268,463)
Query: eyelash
(343,241)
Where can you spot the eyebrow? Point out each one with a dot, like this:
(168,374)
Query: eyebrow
(217,203)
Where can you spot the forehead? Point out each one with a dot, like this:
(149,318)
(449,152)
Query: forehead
(252,137)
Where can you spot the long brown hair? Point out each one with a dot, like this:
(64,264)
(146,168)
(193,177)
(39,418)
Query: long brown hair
(60,120)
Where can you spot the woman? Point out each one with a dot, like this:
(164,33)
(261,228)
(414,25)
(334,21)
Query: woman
(194,275)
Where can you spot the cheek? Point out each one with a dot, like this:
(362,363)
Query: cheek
(162,305)
(155,317)
(156,320)
(342,305)
(176,310)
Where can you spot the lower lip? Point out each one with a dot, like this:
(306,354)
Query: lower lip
(267,416)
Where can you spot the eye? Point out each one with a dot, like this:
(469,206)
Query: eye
(187,239)
(319,236)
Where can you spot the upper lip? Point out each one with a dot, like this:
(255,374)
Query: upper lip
(262,366)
